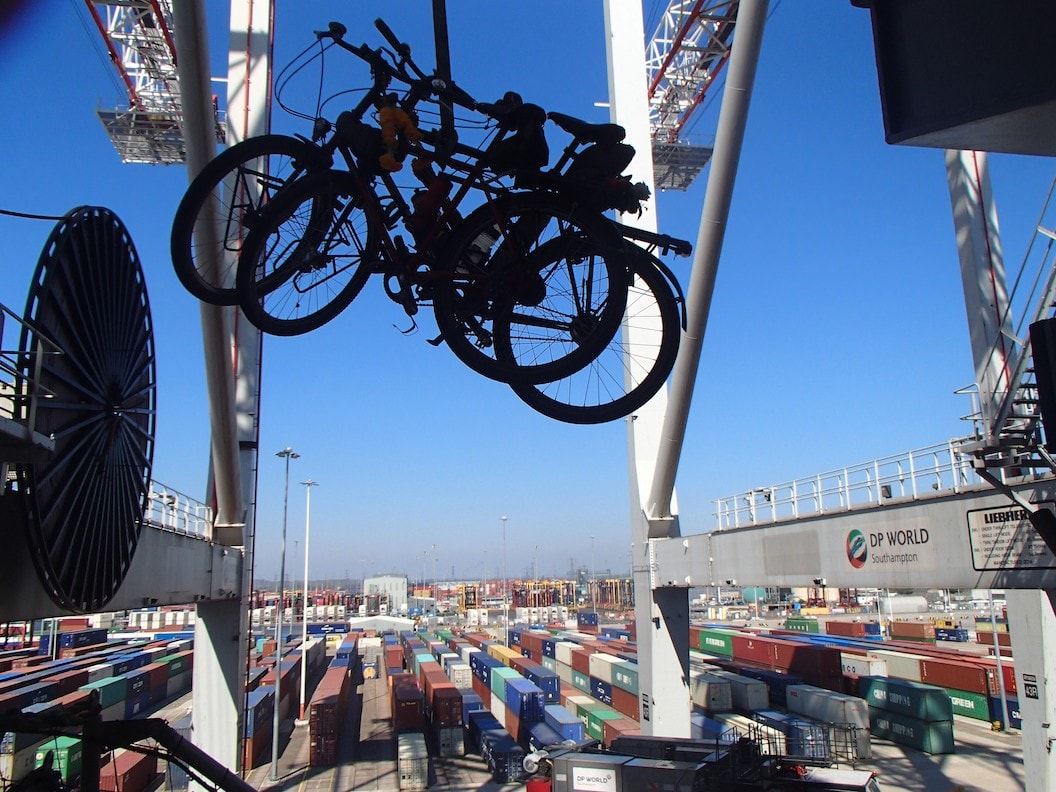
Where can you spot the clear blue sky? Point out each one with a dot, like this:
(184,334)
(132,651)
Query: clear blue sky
(837,332)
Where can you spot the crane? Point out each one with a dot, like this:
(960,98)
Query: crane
(138,39)
(685,55)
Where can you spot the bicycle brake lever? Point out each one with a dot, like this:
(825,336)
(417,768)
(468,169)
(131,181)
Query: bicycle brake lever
(336,31)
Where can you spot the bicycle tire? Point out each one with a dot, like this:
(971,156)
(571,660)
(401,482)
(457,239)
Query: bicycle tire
(631,369)
(242,180)
(556,313)
(300,267)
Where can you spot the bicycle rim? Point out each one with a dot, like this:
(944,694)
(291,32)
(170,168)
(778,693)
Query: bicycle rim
(237,184)
(548,280)
(631,369)
(309,256)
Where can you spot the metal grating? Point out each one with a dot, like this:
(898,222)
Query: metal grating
(676,165)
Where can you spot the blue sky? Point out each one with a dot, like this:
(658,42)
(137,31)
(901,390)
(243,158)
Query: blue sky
(837,332)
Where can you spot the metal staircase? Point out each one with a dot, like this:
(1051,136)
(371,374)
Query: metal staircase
(1010,443)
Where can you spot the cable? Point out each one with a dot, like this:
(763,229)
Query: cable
(29,216)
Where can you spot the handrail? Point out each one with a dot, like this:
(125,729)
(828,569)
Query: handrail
(20,389)
(171,510)
(934,471)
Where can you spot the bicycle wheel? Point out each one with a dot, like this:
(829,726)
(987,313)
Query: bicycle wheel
(238,183)
(555,310)
(309,255)
(631,369)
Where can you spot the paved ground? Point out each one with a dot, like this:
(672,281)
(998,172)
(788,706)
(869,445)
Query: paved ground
(985,760)
(366,756)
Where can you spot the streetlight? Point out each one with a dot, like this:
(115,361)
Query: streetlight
(304,612)
(593,581)
(289,454)
(505,583)
(436,589)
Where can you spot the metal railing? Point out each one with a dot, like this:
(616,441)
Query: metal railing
(20,389)
(172,510)
(929,472)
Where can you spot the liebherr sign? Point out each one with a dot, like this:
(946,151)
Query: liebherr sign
(1003,538)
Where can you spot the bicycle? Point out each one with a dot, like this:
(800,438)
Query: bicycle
(317,234)
(638,360)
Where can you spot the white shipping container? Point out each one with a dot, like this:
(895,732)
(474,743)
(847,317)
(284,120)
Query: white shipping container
(563,651)
(899,664)
(412,761)
(862,666)
(178,684)
(451,741)
(564,673)
(710,692)
(747,695)
(100,671)
(497,707)
(461,675)
(827,706)
(15,766)
(601,666)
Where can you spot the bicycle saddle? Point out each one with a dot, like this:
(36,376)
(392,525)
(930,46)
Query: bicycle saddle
(606,134)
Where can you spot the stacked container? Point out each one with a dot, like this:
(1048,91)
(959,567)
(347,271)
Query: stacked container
(909,713)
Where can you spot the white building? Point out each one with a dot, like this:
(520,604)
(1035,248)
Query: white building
(392,586)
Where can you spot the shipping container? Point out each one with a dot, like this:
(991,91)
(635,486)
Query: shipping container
(971,705)
(746,694)
(920,701)
(710,692)
(412,762)
(128,771)
(582,772)
(934,738)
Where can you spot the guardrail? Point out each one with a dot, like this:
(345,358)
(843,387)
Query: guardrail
(20,390)
(172,510)
(924,473)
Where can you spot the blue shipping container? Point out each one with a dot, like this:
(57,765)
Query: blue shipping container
(525,700)
(601,690)
(563,722)
(546,680)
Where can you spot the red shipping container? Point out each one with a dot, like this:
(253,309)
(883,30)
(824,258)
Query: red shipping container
(624,702)
(956,675)
(482,690)
(512,724)
(845,628)
(581,660)
(408,709)
(520,664)
(611,729)
(128,771)
(447,707)
(393,656)
(753,649)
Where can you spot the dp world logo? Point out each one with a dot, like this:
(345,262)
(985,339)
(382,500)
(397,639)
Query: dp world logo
(857,549)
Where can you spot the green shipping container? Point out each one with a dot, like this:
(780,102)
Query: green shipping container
(498,680)
(581,681)
(924,702)
(177,664)
(716,642)
(596,722)
(111,690)
(625,676)
(971,705)
(67,756)
(932,738)
(549,663)
(802,624)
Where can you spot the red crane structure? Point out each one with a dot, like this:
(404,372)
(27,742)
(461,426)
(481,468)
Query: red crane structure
(685,55)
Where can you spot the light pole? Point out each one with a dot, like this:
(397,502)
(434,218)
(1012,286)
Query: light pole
(436,589)
(593,578)
(289,454)
(505,583)
(304,612)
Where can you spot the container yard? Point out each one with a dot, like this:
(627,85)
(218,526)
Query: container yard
(418,709)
